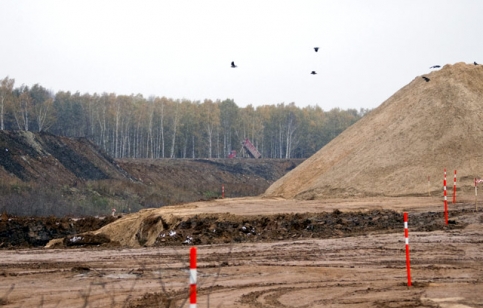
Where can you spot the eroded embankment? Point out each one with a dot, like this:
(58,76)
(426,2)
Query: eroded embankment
(168,230)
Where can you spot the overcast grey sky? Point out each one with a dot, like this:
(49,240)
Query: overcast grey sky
(183,49)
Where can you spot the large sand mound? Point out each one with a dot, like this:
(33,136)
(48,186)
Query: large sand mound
(420,130)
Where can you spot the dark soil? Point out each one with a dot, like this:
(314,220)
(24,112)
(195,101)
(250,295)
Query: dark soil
(18,232)
(187,180)
(212,230)
(33,157)
(23,232)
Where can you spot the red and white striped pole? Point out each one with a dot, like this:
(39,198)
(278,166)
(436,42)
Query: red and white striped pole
(476,194)
(454,188)
(222,191)
(445,199)
(193,275)
(406,236)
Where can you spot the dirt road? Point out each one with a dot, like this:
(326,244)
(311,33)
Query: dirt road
(366,270)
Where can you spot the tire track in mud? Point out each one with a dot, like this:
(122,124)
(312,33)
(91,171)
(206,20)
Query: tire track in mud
(346,294)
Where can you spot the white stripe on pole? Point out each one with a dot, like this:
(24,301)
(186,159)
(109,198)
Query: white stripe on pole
(193,275)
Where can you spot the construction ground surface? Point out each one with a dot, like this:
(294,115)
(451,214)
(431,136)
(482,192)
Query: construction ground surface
(274,253)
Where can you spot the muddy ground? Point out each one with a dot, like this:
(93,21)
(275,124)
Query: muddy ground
(333,253)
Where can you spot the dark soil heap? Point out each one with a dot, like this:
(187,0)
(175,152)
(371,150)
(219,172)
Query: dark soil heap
(422,129)
(46,158)
(152,228)
(16,232)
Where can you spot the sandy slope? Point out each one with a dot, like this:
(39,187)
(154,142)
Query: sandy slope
(420,130)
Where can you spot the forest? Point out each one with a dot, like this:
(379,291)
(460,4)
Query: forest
(132,126)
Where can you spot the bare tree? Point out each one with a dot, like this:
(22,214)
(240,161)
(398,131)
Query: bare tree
(161,103)
(22,108)
(291,128)
(6,89)
(211,119)
(174,128)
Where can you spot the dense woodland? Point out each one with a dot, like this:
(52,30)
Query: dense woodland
(159,127)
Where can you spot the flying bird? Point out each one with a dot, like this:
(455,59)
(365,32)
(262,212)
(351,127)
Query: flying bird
(426,78)
(233,64)
(313,73)
(435,66)
(316,49)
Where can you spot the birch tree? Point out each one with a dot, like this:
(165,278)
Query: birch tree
(210,112)
(22,107)
(42,106)
(6,95)
(291,127)
(174,127)
(160,107)
(228,117)
(149,124)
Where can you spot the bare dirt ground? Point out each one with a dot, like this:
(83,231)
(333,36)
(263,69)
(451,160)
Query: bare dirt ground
(347,268)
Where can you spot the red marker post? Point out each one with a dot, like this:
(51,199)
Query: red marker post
(222,191)
(454,188)
(445,199)
(193,275)
(476,192)
(406,236)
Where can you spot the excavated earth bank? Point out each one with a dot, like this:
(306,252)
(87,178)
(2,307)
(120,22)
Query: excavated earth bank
(155,229)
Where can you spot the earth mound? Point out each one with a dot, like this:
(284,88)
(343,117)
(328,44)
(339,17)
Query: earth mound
(43,157)
(42,174)
(156,227)
(402,147)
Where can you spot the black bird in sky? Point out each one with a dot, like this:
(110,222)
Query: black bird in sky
(426,78)
(316,49)
(313,73)
(475,63)
(233,64)
(435,66)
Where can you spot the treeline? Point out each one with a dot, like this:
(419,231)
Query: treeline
(159,127)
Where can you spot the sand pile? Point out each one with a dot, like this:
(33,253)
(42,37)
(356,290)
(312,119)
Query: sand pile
(420,130)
